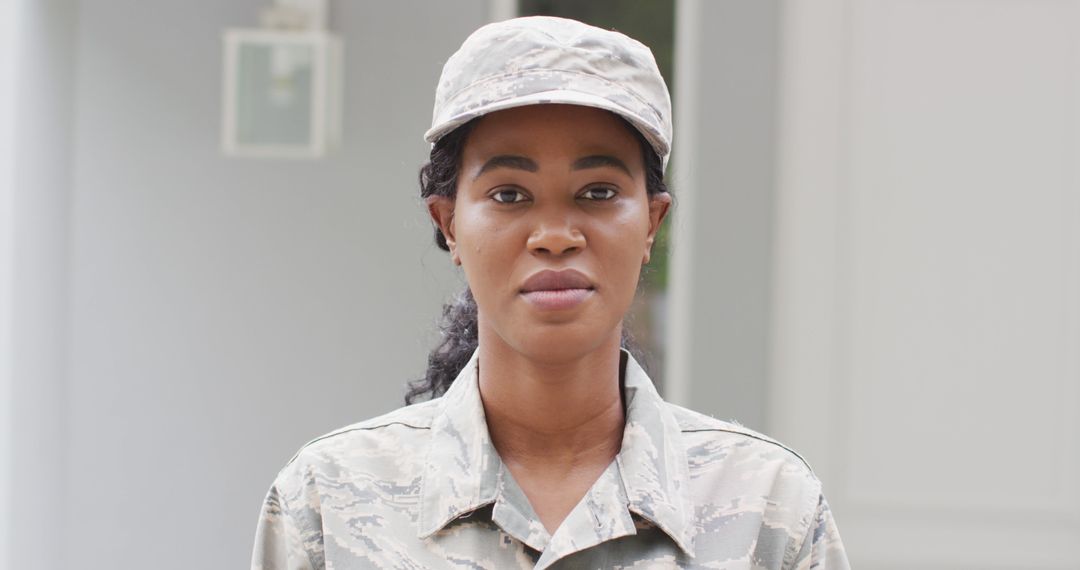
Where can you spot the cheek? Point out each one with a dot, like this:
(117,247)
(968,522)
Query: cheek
(485,245)
(470,227)
(625,232)
(620,248)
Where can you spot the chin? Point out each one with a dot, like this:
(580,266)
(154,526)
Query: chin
(561,343)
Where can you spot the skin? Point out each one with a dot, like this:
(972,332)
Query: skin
(549,379)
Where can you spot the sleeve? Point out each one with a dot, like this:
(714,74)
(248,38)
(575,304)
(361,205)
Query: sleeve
(822,549)
(284,538)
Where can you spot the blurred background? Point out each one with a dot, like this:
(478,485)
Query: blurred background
(212,251)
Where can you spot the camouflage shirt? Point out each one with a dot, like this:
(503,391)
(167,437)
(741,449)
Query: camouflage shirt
(423,487)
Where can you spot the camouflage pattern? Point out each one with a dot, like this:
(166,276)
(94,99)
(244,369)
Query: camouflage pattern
(423,487)
(543,59)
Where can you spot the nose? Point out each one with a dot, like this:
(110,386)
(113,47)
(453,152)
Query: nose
(556,235)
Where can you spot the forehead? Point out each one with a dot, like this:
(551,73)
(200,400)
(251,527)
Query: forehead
(571,130)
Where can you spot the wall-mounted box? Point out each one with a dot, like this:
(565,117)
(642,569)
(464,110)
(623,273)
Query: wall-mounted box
(282,93)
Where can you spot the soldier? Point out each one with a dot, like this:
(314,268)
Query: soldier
(545,444)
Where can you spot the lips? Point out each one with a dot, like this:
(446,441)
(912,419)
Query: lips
(550,280)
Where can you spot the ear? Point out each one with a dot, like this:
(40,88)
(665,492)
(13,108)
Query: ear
(441,209)
(659,204)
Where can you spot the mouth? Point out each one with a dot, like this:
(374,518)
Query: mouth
(549,280)
(557,290)
(557,299)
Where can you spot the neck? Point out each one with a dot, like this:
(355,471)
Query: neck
(555,415)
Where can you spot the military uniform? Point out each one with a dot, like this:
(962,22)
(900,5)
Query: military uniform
(423,487)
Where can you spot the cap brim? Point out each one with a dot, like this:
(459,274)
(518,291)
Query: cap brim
(559,96)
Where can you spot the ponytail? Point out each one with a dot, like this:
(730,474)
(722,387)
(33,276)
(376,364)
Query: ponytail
(459,340)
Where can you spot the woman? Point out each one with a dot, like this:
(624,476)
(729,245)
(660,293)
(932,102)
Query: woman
(546,444)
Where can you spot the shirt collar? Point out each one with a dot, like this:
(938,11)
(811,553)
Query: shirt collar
(463,471)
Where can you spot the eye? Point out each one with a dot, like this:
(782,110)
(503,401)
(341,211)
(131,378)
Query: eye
(507,196)
(599,193)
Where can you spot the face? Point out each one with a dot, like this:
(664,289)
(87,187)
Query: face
(551,187)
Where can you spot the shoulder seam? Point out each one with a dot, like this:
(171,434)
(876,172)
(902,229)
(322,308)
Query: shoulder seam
(351,429)
(757,437)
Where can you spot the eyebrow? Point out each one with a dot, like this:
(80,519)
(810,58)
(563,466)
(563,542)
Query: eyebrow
(600,160)
(527,164)
(508,161)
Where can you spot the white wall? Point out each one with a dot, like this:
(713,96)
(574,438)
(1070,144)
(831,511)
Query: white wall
(34,313)
(10,15)
(225,311)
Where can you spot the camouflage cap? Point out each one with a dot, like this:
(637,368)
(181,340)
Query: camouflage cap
(543,59)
